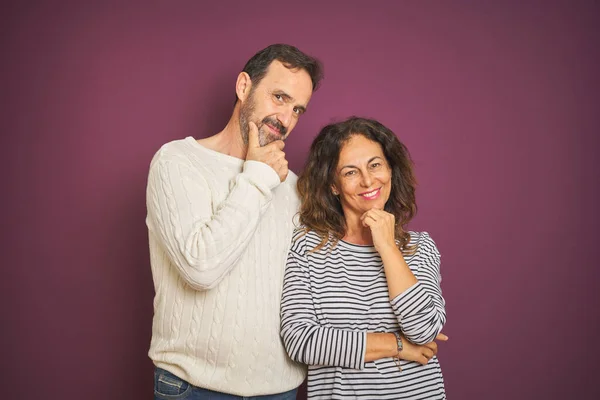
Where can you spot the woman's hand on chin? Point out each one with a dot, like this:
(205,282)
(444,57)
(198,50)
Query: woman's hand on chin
(382,225)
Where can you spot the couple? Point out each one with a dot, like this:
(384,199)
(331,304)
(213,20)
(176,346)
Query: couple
(360,304)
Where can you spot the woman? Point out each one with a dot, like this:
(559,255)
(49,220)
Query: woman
(361,302)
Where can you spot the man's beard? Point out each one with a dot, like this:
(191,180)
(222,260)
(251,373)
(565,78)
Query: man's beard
(265,136)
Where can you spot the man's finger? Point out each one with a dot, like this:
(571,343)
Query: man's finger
(278,144)
(284,175)
(253,135)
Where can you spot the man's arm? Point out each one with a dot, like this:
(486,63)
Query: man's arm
(205,246)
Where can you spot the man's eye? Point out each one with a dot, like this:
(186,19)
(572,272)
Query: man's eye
(278,97)
(297,111)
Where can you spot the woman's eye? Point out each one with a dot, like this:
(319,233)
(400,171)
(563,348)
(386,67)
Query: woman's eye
(349,173)
(375,165)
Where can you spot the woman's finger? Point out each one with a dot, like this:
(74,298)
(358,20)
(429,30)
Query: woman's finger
(368,221)
(441,337)
(427,353)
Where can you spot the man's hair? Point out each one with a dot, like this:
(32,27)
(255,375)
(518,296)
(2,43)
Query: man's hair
(290,57)
(321,211)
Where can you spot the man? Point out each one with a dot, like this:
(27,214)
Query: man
(219,219)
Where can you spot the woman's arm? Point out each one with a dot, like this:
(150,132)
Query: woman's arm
(417,303)
(308,342)
(420,309)
(383,345)
(305,340)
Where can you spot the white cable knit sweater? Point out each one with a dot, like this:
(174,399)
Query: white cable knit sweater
(219,232)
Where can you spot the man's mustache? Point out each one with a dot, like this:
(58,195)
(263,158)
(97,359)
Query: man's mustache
(274,122)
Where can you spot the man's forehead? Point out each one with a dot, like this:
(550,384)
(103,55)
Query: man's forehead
(279,74)
(277,67)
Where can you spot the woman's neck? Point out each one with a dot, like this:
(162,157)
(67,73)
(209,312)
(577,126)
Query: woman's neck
(356,233)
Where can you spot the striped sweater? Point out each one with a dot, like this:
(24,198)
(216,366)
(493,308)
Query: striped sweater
(332,297)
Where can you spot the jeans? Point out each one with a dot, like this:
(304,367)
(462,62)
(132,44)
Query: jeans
(169,387)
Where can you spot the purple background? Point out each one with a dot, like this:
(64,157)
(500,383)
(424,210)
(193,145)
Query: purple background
(497,101)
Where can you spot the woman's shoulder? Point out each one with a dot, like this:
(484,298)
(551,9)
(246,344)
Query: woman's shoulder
(423,242)
(416,237)
(303,240)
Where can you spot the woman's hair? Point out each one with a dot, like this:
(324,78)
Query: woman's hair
(321,210)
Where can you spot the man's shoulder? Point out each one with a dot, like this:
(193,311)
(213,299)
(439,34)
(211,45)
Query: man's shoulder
(287,192)
(173,149)
(292,179)
(181,152)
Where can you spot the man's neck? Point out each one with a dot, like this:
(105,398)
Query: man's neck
(228,141)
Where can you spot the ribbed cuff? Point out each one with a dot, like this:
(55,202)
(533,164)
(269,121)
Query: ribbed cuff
(261,174)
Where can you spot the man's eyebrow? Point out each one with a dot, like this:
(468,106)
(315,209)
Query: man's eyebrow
(284,95)
(302,109)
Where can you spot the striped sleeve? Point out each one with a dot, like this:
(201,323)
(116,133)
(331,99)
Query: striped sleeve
(420,309)
(305,340)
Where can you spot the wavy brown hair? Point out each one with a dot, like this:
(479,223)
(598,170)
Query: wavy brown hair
(322,212)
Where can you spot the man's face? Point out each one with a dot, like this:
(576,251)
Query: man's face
(276,103)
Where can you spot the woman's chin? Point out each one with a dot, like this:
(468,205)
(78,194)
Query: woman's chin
(366,206)
(378,204)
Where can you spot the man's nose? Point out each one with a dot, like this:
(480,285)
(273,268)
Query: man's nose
(285,116)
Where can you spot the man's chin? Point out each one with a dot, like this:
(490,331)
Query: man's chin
(268,138)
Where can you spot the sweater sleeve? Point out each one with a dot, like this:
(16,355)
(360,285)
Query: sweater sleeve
(202,244)
(305,340)
(420,309)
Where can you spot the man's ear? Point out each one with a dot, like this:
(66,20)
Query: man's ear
(243,85)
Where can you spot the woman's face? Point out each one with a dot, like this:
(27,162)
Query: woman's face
(363,176)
